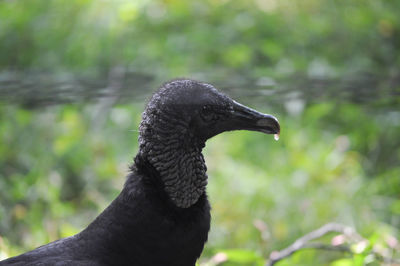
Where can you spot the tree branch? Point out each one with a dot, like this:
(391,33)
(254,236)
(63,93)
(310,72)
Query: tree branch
(303,243)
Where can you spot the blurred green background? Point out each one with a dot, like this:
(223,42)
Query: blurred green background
(74,76)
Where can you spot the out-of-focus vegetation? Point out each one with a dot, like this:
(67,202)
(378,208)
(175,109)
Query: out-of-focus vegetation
(338,160)
(175,38)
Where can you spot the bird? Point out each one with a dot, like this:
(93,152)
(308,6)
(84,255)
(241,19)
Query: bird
(162,215)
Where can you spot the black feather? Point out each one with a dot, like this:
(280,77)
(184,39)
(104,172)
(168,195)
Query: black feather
(162,215)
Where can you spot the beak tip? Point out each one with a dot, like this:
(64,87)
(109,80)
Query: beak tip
(271,124)
(277,126)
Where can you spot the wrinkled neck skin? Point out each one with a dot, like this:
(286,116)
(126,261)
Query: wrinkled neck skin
(166,143)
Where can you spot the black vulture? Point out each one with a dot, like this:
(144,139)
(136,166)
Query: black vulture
(162,215)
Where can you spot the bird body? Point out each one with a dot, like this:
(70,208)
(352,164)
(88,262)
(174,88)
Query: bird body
(140,227)
(162,215)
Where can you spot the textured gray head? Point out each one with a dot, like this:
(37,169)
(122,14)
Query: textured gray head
(176,123)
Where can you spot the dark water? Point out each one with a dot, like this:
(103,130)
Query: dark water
(41,89)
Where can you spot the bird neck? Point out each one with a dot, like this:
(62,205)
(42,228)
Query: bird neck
(177,159)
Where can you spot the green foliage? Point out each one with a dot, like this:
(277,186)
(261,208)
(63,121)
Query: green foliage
(62,165)
(257,37)
(335,161)
(50,162)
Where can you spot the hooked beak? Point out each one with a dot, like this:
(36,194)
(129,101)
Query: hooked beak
(240,117)
(245,118)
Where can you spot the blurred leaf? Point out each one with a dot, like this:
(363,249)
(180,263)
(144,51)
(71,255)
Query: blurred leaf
(343,262)
(244,257)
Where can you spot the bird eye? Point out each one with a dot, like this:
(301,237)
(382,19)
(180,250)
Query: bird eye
(207,114)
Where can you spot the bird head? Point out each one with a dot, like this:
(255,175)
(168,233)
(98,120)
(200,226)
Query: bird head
(180,117)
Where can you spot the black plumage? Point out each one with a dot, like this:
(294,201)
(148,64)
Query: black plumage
(162,215)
